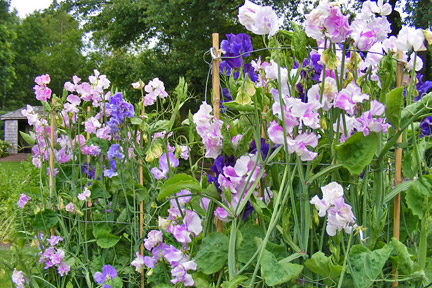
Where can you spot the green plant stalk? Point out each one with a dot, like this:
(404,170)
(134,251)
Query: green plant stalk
(272,223)
(424,231)
(231,250)
(304,206)
(345,261)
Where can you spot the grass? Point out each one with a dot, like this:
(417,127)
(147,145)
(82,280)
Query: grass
(10,167)
(14,257)
(5,273)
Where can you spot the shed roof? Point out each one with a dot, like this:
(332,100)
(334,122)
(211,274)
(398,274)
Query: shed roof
(17,115)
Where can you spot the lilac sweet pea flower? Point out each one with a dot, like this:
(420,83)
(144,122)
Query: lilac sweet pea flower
(154,237)
(108,273)
(23,200)
(18,279)
(63,269)
(164,166)
(180,273)
(138,262)
(54,240)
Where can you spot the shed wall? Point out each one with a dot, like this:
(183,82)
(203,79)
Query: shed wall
(11,135)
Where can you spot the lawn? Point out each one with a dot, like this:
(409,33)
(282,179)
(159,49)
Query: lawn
(10,167)
(22,256)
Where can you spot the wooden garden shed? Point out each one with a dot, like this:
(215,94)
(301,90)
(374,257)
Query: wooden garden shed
(14,122)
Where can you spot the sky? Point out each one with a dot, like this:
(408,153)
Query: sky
(25,7)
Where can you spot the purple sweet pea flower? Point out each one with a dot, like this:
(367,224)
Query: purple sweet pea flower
(54,240)
(23,200)
(163,165)
(108,273)
(63,269)
(113,152)
(426,127)
(422,87)
(154,237)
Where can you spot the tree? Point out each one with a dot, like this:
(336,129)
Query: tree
(174,33)
(7,35)
(46,43)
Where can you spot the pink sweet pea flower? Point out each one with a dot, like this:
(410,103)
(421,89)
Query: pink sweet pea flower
(23,199)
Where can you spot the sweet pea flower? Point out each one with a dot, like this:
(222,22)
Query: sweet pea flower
(54,240)
(85,195)
(18,279)
(340,214)
(164,165)
(426,126)
(63,269)
(23,199)
(70,207)
(108,273)
(138,263)
(138,85)
(180,273)
(261,20)
(410,38)
(336,25)
(154,237)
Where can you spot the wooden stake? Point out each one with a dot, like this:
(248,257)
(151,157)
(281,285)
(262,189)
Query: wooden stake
(398,172)
(51,158)
(216,93)
(141,204)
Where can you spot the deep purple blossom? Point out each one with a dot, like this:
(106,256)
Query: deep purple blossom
(120,110)
(426,126)
(422,87)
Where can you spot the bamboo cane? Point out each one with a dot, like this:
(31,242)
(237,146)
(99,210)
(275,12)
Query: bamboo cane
(216,94)
(141,204)
(398,172)
(51,156)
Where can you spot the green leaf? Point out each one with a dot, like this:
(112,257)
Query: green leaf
(105,239)
(393,106)
(115,283)
(409,160)
(136,120)
(248,247)
(213,253)
(275,273)
(417,196)
(160,125)
(44,219)
(234,283)
(244,143)
(200,280)
(227,144)
(299,42)
(323,266)
(28,138)
(403,260)
(357,151)
(412,109)
(387,75)
(176,183)
(366,265)
(211,191)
